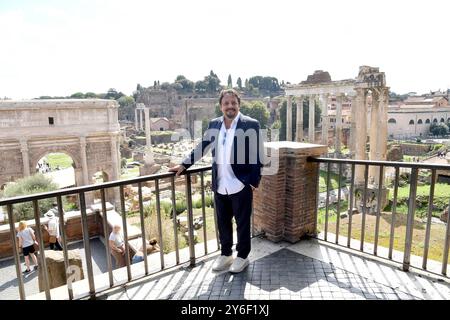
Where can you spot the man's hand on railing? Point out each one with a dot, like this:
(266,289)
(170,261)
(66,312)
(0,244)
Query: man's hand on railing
(177,169)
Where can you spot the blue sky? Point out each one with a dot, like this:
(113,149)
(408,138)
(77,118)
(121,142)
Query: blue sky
(61,47)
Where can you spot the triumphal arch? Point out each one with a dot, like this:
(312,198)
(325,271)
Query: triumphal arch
(369,98)
(86,129)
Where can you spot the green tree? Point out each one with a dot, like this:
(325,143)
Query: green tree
(36,183)
(255,109)
(212,82)
(77,95)
(113,94)
(440,129)
(229,82)
(90,95)
(201,87)
(187,86)
(239,83)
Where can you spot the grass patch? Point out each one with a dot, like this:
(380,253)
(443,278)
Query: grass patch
(334,181)
(437,237)
(59,159)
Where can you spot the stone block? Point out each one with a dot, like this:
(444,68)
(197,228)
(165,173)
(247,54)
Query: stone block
(56,269)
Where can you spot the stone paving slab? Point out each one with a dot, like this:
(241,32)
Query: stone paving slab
(283,274)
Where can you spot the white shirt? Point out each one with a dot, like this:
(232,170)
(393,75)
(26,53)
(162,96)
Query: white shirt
(53,227)
(27,237)
(227,183)
(117,238)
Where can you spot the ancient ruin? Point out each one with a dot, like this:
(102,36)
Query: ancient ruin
(369,96)
(86,130)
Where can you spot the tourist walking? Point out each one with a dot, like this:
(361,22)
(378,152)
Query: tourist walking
(27,240)
(236,147)
(53,231)
(117,246)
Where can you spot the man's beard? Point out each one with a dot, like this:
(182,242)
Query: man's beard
(231,116)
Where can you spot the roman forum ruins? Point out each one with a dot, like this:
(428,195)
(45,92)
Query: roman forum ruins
(369,103)
(87,130)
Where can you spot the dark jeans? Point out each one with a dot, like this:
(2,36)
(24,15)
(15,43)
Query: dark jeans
(238,205)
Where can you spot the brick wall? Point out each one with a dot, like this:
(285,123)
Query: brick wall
(285,203)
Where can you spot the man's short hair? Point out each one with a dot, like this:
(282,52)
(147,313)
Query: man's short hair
(229,91)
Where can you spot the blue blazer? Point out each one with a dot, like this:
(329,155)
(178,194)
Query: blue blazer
(247,152)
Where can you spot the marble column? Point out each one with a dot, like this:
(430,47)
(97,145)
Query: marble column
(115,158)
(352,145)
(84,165)
(289,119)
(25,157)
(378,132)
(148,138)
(360,133)
(311,119)
(141,117)
(325,119)
(136,119)
(299,120)
(338,138)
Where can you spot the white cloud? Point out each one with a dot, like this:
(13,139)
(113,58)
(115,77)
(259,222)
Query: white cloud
(57,48)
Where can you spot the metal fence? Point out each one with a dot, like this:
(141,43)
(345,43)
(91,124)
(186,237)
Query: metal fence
(103,188)
(399,167)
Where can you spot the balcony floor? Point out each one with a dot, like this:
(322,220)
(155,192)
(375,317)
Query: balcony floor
(309,269)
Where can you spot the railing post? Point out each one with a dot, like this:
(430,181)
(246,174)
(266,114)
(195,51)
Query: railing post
(105,232)
(64,245)
(174,218)
(190,219)
(125,231)
(12,230)
(142,220)
(350,206)
(158,216)
(410,218)
(43,263)
(87,245)
(446,244)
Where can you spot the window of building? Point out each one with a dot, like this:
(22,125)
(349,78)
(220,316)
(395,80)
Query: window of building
(427,121)
(420,121)
(161,129)
(411,121)
(442,120)
(435,121)
(391,120)
(51,121)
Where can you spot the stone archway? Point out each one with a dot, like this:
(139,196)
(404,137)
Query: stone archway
(86,130)
(63,176)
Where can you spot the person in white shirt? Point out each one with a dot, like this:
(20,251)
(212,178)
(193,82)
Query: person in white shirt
(236,171)
(117,246)
(53,231)
(26,242)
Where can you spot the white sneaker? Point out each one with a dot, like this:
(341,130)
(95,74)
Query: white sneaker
(239,264)
(222,263)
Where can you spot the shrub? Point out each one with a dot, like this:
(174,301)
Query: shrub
(36,183)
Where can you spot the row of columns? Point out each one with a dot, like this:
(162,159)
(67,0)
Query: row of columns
(139,115)
(323,102)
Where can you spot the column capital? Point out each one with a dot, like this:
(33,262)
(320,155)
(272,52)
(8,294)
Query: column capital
(23,144)
(83,141)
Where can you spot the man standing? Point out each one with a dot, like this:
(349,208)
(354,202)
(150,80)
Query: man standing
(236,171)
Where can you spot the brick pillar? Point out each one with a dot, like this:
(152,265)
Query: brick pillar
(285,202)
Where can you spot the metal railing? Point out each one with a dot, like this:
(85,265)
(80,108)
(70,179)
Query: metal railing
(414,169)
(103,187)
